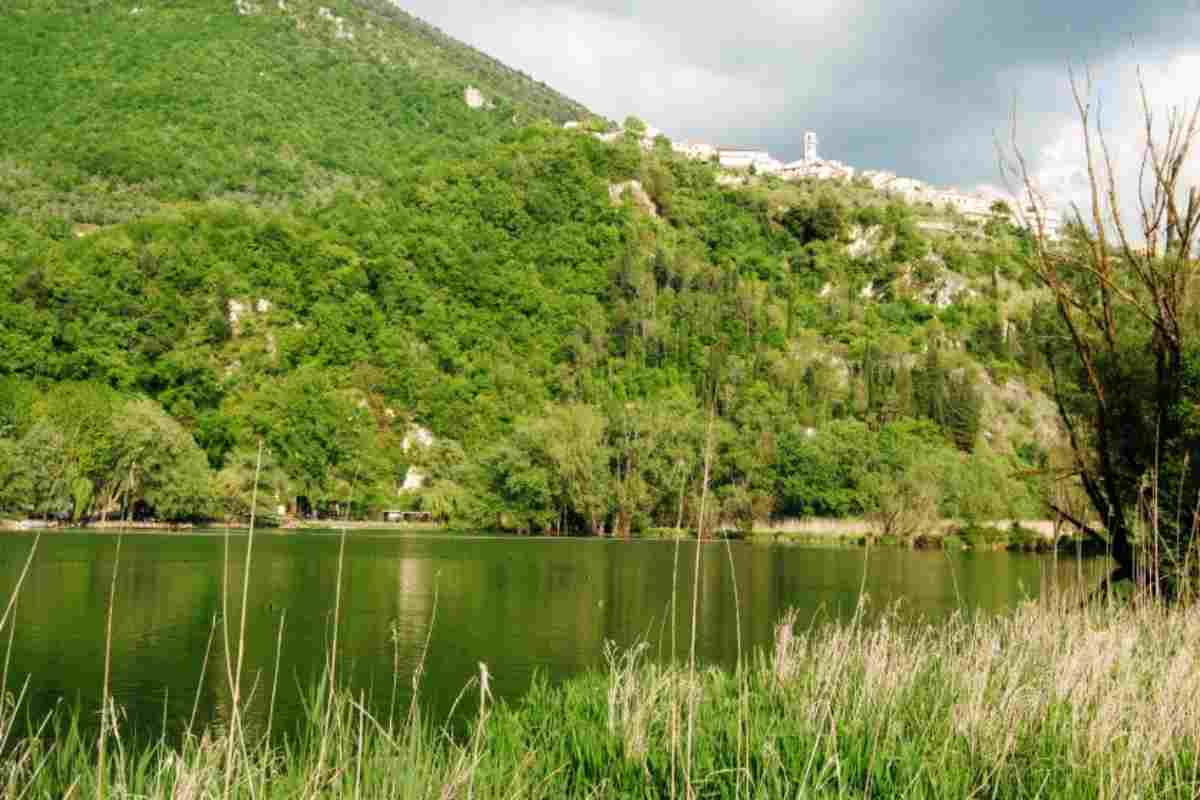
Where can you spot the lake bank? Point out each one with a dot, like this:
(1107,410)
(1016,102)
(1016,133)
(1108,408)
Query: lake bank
(1035,536)
(1048,701)
(1029,536)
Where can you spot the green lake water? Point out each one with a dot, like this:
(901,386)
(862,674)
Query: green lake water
(524,607)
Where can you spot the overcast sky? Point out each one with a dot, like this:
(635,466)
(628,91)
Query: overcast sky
(919,87)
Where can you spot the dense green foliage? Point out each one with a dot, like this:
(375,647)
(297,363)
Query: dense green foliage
(284,237)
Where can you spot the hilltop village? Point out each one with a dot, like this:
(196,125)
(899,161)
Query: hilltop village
(738,162)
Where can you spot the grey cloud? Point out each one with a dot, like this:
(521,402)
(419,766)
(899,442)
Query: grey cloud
(918,87)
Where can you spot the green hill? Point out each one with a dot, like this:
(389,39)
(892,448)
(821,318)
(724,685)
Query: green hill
(284,223)
(112,109)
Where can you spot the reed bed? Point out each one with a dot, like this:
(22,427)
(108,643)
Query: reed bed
(1049,701)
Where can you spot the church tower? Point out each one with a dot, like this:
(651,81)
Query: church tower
(810,147)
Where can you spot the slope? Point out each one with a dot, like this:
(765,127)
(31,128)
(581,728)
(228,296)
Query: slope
(110,110)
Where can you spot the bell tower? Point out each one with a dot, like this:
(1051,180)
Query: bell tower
(810,147)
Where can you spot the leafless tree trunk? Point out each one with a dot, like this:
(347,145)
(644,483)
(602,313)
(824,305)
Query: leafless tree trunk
(1127,276)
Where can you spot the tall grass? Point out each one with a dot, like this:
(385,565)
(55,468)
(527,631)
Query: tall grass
(1050,701)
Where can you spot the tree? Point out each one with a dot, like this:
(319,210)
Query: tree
(89,465)
(1120,346)
(316,433)
(964,408)
(234,486)
(904,501)
(824,220)
(159,464)
(982,486)
(16,407)
(14,489)
(655,446)
(635,126)
(43,471)
(571,440)
(817,469)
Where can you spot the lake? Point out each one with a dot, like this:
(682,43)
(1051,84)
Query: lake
(525,607)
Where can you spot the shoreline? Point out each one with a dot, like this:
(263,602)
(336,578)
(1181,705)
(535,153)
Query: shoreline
(1018,536)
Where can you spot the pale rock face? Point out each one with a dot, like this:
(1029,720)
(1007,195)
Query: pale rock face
(421,437)
(341,32)
(474,98)
(236,310)
(414,480)
(863,241)
(948,289)
(616,191)
(417,436)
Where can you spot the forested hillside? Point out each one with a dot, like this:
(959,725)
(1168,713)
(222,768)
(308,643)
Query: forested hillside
(230,223)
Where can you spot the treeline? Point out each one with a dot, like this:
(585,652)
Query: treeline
(641,465)
(84,452)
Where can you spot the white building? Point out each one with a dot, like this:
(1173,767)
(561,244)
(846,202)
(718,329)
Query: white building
(818,170)
(1037,214)
(745,158)
(810,147)
(696,151)
(877,178)
(973,205)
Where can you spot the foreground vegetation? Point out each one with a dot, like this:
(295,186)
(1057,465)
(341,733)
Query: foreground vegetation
(1048,702)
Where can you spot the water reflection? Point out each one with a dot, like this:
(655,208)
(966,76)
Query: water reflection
(521,606)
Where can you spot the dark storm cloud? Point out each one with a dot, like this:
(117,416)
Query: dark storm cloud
(918,87)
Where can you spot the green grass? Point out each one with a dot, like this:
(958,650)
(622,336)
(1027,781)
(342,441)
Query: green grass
(1047,702)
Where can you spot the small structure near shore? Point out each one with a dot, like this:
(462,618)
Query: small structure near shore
(407,516)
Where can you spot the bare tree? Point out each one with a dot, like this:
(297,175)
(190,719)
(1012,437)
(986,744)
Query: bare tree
(1122,298)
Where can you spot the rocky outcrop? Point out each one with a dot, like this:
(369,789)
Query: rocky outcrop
(474,98)
(947,289)
(341,30)
(236,311)
(617,192)
(416,437)
(865,241)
